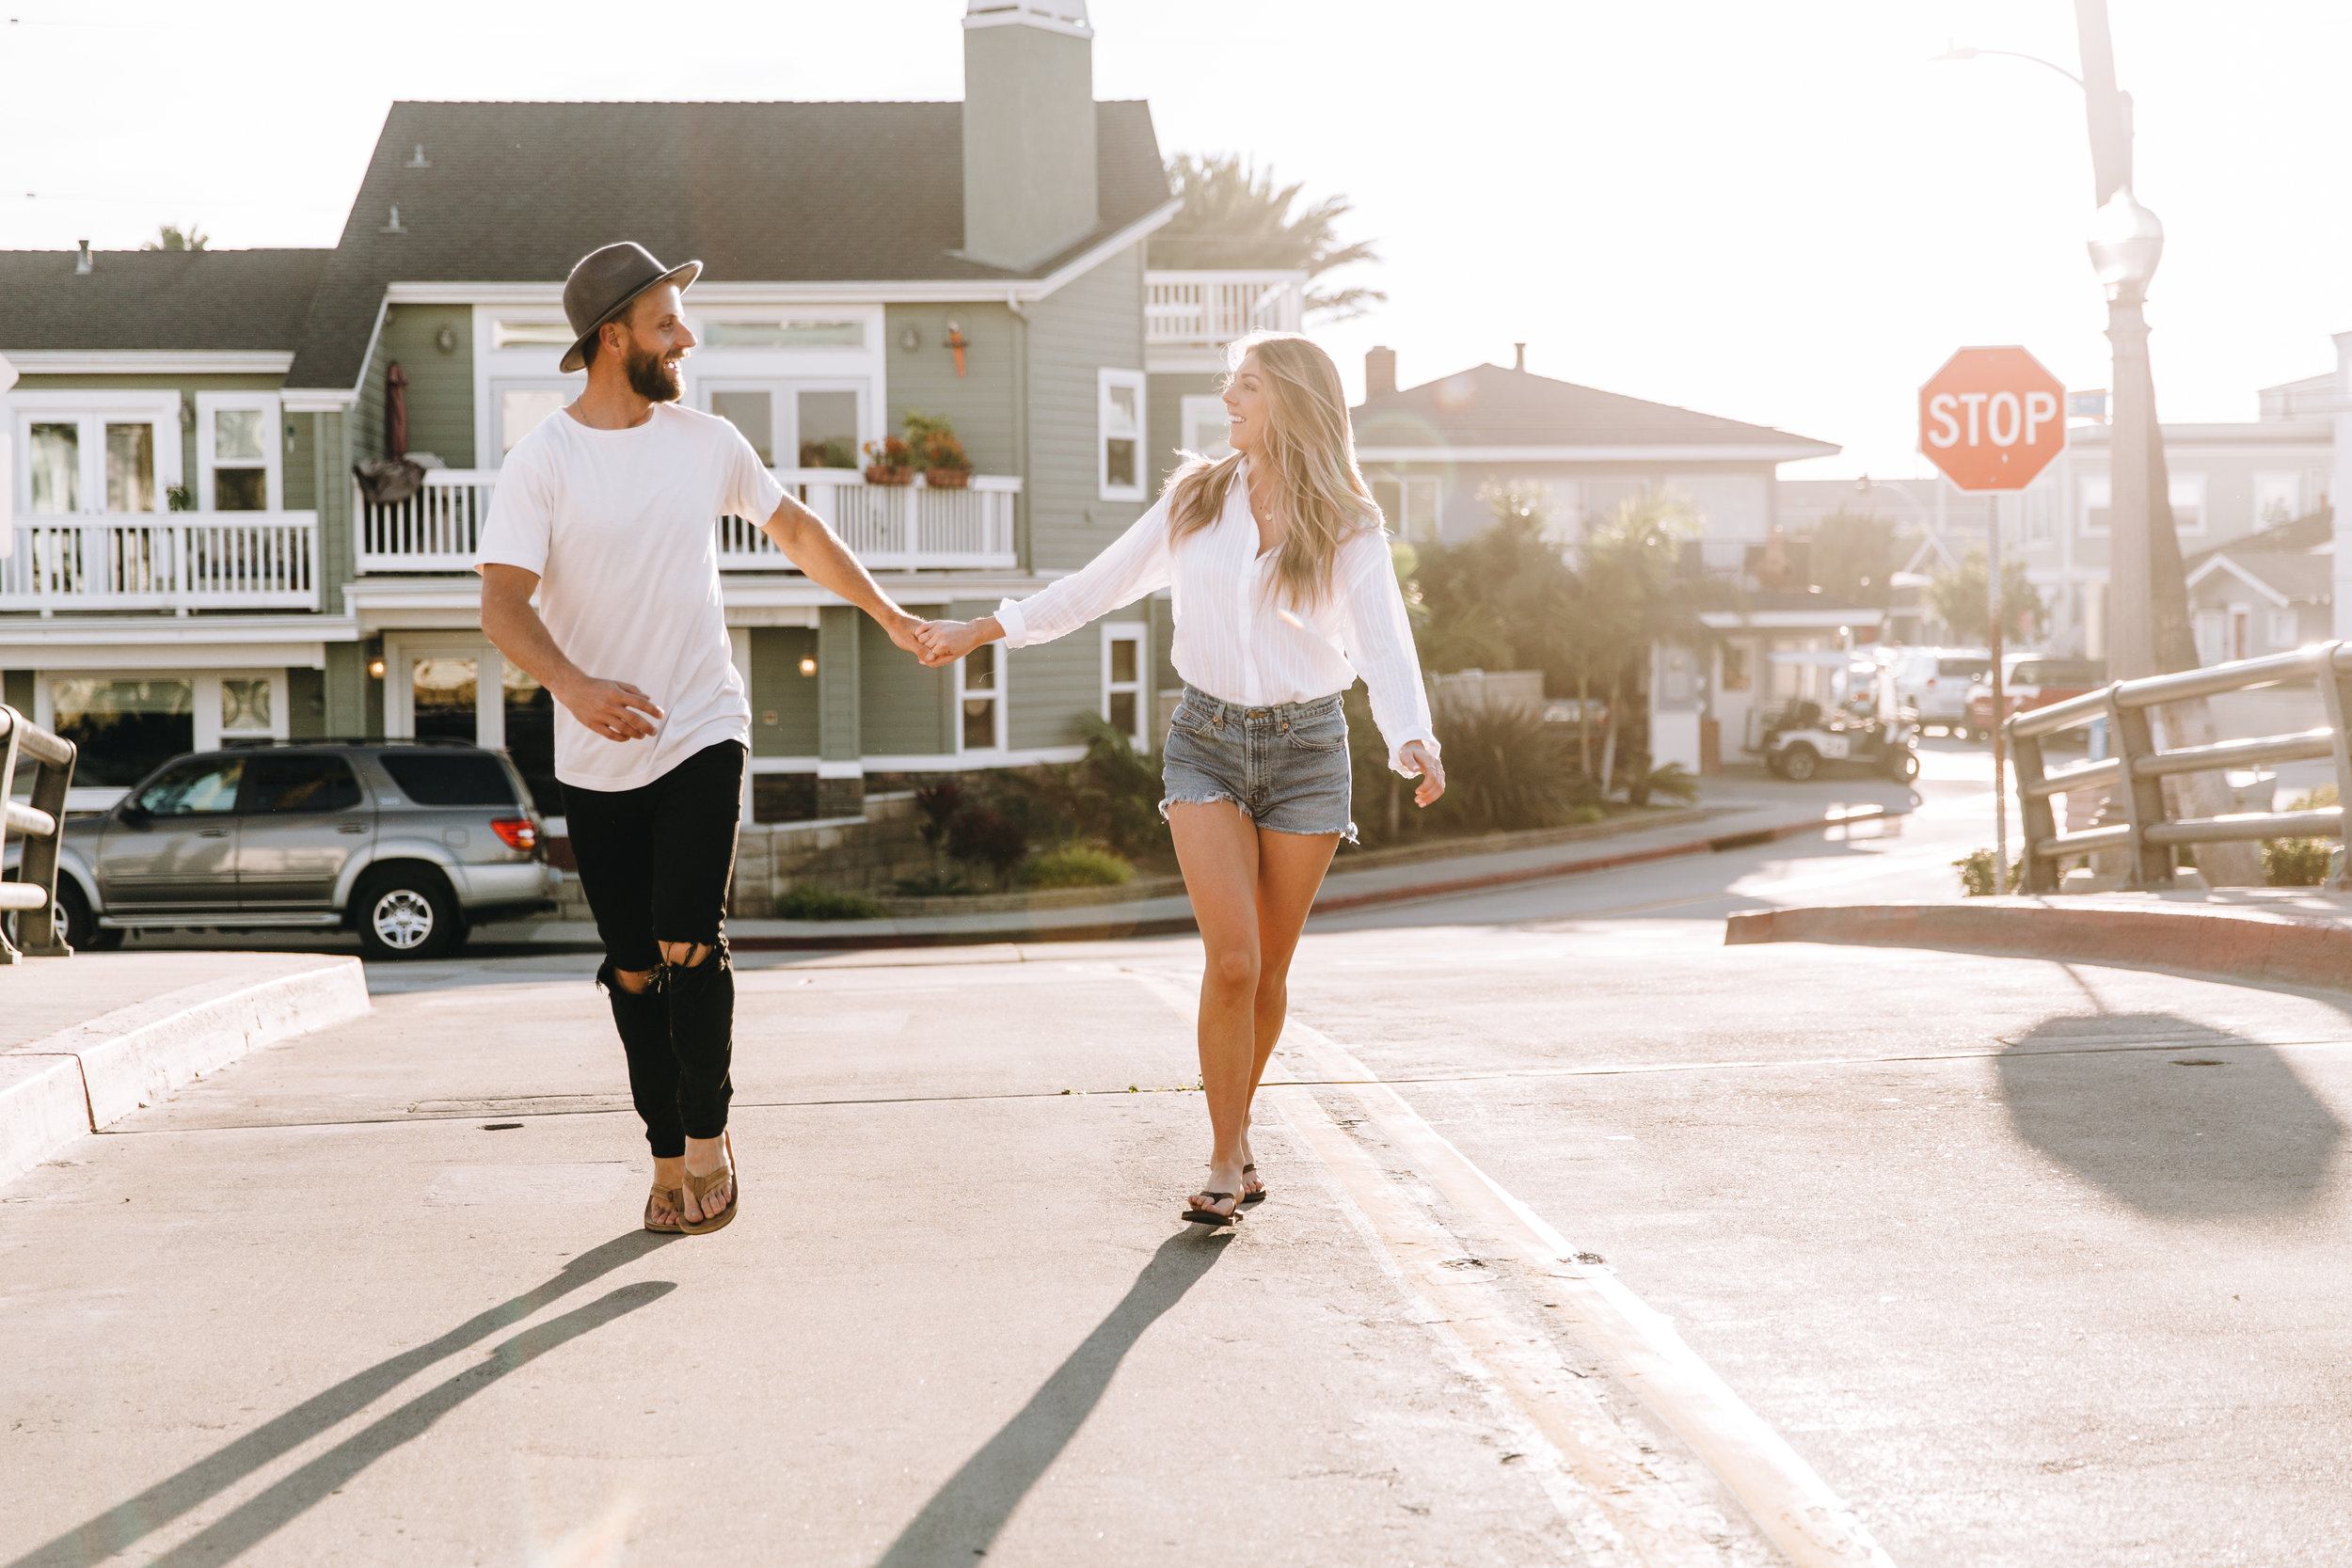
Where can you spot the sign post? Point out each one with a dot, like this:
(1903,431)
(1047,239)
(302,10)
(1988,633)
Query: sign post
(1991,419)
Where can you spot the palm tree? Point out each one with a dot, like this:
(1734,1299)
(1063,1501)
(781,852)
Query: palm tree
(1235,216)
(172,237)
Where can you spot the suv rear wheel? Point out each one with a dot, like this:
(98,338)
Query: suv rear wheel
(81,931)
(407,912)
(1798,763)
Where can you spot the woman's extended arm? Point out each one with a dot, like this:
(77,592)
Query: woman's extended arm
(1379,644)
(1134,564)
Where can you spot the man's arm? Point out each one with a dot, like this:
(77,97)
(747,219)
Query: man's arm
(610,708)
(816,549)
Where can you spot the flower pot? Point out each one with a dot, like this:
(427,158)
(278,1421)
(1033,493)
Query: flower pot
(894,474)
(947,479)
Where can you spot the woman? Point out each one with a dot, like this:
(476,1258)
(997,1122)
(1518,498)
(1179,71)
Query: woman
(1283,594)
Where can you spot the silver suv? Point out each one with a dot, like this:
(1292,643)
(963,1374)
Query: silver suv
(406,843)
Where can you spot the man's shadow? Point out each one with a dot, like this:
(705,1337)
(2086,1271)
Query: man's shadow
(129,1522)
(2210,1126)
(964,1517)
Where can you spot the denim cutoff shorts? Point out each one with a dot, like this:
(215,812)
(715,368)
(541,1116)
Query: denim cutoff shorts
(1285,767)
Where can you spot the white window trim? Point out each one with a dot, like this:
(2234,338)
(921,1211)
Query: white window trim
(784,407)
(204,698)
(2092,490)
(490,453)
(2285,628)
(1192,409)
(273,445)
(2177,485)
(400,684)
(2290,481)
(92,410)
(1431,487)
(1140,635)
(1001,691)
(1104,379)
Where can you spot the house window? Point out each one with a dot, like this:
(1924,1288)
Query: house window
(2284,629)
(530,334)
(2040,500)
(56,470)
(1119,418)
(980,700)
(521,407)
(78,454)
(2096,497)
(792,424)
(1204,426)
(788,334)
(245,707)
(236,458)
(1736,676)
(2189,503)
(753,414)
(123,728)
(1409,504)
(2278,498)
(1122,681)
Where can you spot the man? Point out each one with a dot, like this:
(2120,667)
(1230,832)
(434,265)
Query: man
(608,512)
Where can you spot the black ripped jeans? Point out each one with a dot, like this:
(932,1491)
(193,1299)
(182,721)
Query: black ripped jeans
(655,863)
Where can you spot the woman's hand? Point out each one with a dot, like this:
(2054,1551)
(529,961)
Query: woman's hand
(1419,759)
(945,642)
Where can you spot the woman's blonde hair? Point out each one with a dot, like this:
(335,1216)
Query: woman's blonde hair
(1312,454)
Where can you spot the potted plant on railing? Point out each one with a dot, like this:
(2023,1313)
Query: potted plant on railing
(937,451)
(889,461)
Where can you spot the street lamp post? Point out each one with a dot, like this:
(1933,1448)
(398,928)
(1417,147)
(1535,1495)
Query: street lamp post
(2126,242)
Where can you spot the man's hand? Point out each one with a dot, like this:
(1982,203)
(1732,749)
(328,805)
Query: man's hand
(1419,759)
(609,708)
(906,631)
(945,642)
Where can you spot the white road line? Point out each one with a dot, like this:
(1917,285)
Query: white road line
(1790,1504)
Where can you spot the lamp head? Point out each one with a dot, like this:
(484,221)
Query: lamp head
(1952,51)
(2126,242)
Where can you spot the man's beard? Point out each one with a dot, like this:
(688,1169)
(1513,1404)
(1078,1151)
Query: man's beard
(651,377)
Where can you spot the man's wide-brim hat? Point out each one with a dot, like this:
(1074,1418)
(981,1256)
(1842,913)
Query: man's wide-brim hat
(604,283)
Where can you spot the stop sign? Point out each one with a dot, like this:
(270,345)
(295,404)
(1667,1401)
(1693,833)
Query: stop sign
(1991,418)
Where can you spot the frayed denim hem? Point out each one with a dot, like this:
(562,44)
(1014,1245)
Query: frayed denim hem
(1210,798)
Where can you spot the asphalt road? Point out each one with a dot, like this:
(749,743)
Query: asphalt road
(2027,1263)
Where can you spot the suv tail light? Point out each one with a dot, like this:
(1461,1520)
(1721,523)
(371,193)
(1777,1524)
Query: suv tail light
(516,831)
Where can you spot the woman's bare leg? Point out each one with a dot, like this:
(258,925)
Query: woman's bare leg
(1290,872)
(1217,849)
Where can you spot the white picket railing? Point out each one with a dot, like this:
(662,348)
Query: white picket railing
(178,561)
(890,527)
(1208,309)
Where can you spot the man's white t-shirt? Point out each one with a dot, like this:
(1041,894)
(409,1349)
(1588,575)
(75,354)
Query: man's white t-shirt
(621,528)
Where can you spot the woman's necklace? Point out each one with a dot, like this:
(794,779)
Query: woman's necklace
(1271,529)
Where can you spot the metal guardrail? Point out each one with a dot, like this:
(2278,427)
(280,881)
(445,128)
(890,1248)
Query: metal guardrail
(2140,767)
(34,894)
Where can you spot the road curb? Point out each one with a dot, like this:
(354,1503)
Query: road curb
(1183,925)
(2249,946)
(79,1080)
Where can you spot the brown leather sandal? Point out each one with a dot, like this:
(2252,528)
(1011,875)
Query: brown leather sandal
(675,1199)
(701,1185)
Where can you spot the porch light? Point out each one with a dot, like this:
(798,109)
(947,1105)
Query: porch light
(808,667)
(2126,241)
(376,669)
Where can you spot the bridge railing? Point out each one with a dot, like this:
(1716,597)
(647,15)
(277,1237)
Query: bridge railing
(34,894)
(2137,765)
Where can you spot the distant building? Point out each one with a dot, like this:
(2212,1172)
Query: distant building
(2267,593)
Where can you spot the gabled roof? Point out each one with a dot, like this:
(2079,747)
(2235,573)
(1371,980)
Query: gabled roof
(1490,408)
(192,301)
(2282,577)
(760,193)
(2307,532)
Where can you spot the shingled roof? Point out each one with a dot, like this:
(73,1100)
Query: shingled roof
(171,300)
(1490,406)
(758,192)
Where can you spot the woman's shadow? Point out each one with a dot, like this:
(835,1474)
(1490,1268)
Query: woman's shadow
(964,1517)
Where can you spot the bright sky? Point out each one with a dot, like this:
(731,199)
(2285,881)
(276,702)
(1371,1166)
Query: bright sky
(1776,212)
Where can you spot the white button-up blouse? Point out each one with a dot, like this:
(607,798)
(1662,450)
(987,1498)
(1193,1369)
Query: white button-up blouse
(1238,639)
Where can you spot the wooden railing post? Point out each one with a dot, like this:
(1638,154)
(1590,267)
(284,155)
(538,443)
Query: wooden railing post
(2335,698)
(2036,820)
(2143,799)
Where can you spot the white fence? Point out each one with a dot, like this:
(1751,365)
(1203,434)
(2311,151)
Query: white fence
(179,560)
(888,526)
(1208,309)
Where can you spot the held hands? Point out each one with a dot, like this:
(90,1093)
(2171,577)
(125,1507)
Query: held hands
(611,709)
(1419,759)
(945,642)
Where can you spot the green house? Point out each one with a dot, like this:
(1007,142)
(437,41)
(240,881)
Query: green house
(193,560)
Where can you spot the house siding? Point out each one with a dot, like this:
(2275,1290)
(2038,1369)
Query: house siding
(778,687)
(1164,408)
(440,386)
(1095,321)
(983,401)
(1050,684)
(901,705)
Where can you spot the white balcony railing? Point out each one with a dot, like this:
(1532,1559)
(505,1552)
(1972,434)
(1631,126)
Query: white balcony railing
(1209,309)
(179,560)
(890,527)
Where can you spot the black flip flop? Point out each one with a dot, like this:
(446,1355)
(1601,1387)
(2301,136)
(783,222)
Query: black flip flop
(1258,1196)
(1209,1216)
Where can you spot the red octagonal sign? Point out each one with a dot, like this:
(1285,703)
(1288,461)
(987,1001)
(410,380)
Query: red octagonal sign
(1991,418)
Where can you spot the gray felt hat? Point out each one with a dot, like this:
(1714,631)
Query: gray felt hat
(604,284)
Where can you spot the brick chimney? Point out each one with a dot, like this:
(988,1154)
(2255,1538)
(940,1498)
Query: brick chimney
(1028,130)
(1379,371)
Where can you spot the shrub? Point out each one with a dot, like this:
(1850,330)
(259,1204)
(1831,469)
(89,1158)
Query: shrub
(980,836)
(939,803)
(1584,815)
(2300,862)
(1976,873)
(1111,797)
(806,901)
(1077,866)
(933,886)
(1641,781)
(1506,770)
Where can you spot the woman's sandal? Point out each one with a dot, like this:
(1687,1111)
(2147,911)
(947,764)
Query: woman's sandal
(701,1185)
(675,1199)
(1211,1216)
(1258,1196)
